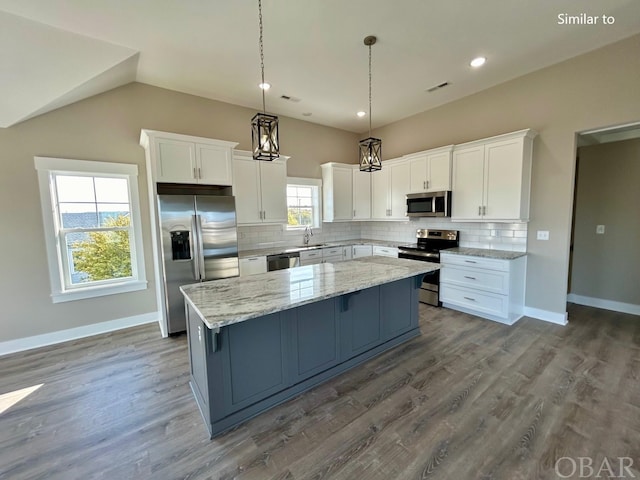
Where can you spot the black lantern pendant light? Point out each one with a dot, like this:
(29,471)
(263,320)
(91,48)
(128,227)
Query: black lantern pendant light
(264,127)
(370,148)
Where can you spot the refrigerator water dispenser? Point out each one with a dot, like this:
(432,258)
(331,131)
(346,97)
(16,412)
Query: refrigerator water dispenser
(180,247)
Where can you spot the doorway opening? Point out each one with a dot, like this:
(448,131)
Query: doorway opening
(604,258)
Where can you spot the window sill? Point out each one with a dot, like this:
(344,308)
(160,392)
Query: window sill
(98,291)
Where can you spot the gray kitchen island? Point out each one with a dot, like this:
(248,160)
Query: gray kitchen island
(257,341)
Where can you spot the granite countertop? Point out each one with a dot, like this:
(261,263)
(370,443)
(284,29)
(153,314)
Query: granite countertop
(233,300)
(485,253)
(284,249)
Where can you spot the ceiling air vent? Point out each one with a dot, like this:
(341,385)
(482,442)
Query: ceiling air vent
(290,99)
(437,87)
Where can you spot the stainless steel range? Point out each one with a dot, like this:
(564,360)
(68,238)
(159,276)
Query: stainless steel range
(427,249)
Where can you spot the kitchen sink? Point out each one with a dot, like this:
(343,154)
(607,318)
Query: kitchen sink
(306,247)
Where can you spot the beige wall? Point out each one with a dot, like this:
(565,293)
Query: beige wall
(608,266)
(107,127)
(597,89)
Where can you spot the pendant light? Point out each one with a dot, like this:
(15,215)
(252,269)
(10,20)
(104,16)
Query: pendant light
(370,148)
(264,127)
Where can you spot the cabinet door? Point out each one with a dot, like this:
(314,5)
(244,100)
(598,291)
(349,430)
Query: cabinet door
(359,321)
(503,177)
(214,165)
(361,195)
(347,253)
(439,176)
(273,182)
(468,171)
(362,251)
(316,339)
(175,161)
(380,194)
(342,194)
(418,168)
(197,333)
(395,308)
(253,265)
(400,181)
(258,353)
(246,188)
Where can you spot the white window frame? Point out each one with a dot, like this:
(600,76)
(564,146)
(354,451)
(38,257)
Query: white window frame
(317,202)
(61,290)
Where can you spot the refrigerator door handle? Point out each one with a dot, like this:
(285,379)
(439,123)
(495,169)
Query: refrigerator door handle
(196,247)
(200,255)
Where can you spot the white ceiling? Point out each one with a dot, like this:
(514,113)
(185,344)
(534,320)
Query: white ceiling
(55,52)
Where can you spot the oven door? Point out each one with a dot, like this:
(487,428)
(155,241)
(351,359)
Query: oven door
(429,290)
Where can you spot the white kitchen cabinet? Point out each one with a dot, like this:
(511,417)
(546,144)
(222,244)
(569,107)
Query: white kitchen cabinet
(486,287)
(347,252)
(385,251)
(492,178)
(337,192)
(260,189)
(430,171)
(253,265)
(362,194)
(332,254)
(311,257)
(389,188)
(176,158)
(362,251)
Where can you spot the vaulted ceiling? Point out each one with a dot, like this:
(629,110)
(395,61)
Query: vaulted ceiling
(56,52)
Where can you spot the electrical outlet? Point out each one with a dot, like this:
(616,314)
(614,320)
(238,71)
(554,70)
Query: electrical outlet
(600,229)
(543,235)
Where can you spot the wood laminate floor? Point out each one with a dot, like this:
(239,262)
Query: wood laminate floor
(469,399)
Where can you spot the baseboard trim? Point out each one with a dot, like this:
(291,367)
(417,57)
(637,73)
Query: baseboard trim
(546,315)
(36,341)
(605,304)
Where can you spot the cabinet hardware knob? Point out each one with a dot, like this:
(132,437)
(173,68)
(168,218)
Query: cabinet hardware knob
(470,261)
(470,278)
(194,172)
(199,173)
(470,299)
(479,211)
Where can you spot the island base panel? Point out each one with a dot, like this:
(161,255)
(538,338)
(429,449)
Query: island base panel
(293,350)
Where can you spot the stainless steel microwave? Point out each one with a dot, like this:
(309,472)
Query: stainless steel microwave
(429,204)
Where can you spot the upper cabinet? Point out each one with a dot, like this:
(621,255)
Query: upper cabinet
(389,188)
(361,194)
(430,171)
(492,178)
(260,189)
(337,192)
(175,158)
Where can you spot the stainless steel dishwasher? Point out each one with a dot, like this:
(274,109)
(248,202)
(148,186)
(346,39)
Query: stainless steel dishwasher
(282,261)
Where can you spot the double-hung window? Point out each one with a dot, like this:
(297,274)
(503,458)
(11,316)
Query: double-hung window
(303,203)
(92,228)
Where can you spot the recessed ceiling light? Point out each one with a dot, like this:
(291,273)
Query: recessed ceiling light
(478,62)
(361,113)
(265,86)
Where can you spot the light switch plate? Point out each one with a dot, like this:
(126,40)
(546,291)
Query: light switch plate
(543,235)
(600,229)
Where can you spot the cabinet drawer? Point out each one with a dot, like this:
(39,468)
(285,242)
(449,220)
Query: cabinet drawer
(310,254)
(486,280)
(332,252)
(477,262)
(332,259)
(482,302)
(385,251)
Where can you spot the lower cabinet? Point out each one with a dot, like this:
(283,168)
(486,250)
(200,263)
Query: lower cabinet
(250,366)
(253,265)
(486,287)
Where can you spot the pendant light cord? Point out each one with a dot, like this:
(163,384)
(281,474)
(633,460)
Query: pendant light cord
(264,109)
(369,90)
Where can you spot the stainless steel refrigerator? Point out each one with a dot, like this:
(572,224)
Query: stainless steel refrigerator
(199,242)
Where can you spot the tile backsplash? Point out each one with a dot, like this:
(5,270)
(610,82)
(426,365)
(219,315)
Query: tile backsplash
(496,236)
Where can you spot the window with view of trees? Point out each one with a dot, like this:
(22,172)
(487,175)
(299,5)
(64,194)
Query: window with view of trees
(303,204)
(93,227)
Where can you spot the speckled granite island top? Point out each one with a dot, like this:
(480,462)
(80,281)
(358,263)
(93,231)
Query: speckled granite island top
(485,253)
(233,300)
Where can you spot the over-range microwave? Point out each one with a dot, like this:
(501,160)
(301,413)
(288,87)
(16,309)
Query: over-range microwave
(429,204)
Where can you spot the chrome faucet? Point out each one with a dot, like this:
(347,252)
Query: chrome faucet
(308,233)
